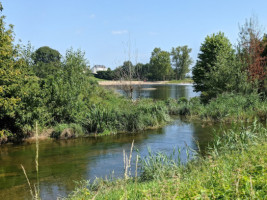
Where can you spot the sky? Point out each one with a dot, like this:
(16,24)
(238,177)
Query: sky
(113,31)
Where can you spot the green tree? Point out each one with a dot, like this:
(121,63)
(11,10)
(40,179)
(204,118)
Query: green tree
(213,46)
(181,60)
(107,75)
(160,64)
(143,70)
(67,92)
(20,97)
(46,61)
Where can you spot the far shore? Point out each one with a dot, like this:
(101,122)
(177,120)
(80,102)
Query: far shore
(140,83)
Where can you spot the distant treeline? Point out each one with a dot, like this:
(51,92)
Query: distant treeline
(163,65)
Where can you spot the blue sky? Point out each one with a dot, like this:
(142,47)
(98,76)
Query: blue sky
(112,31)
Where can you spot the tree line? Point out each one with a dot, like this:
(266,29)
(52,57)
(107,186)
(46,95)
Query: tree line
(163,65)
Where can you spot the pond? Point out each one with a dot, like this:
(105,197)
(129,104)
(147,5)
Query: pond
(62,162)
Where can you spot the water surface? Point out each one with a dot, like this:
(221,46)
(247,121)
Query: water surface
(161,91)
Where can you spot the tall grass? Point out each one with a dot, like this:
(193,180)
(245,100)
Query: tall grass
(226,107)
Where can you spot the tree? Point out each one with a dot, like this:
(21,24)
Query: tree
(252,52)
(143,70)
(181,60)
(126,73)
(67,91)
(46,61)
(46,54)
(19,89)
(107,75)
(213,46)
(160,64)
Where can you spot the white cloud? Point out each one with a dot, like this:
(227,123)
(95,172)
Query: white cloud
(119,32)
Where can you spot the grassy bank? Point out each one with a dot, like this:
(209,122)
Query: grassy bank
(187,80)
(113,114)
(234,168)
(226,107)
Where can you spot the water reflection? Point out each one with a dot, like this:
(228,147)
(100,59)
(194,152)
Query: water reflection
(63,161)
(161,92)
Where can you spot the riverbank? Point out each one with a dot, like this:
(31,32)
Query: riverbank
(234,168)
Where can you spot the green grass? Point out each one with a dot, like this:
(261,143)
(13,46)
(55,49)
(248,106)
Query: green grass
(97,79)
(235,167)
(226,107)
(187,80)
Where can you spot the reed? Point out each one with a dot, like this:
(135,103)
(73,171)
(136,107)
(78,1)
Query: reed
(127,162)
(35,194)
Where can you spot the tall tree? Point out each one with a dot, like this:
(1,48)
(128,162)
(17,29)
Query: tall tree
(216,54)
(181,61)
(160,64)
(19,89)
(46,61)
(251,51)
(209,51)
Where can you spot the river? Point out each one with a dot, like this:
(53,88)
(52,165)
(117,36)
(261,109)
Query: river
(62,162)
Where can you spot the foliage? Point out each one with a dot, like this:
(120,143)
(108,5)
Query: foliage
(67,92)
(143,71)
(46,61)
(20,98)
(215,54)
(160,64)
(226,107)
(251,52)
(181,61)
(106,75)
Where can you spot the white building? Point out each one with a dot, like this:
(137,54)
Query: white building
(98,68)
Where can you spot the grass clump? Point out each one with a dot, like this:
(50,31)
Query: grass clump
(233,168)
(65,131)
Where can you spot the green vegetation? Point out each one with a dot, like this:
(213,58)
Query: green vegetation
(227,107)
(221,69)
(159,67)
(181,60)
(160,64)
(233,168)
(186,80)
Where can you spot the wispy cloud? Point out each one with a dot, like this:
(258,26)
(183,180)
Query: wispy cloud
(119,32)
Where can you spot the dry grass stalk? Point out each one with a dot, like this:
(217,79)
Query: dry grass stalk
(127,162)
(28,181)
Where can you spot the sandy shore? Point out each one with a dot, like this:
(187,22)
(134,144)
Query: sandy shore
(139,83)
